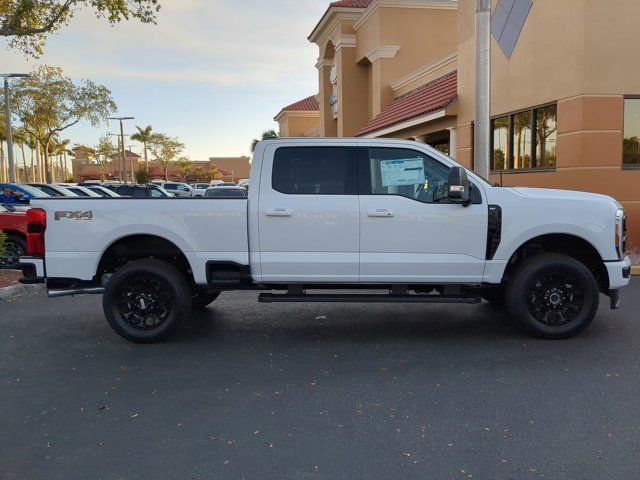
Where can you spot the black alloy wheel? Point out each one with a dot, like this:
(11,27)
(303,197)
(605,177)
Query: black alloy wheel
(552,295)
(146,300)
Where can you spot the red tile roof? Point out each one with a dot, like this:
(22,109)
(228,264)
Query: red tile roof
(306,104)
(429,98)
(351,3)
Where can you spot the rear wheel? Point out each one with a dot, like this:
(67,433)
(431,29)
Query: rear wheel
(145,301)
(14,248)
(552,296)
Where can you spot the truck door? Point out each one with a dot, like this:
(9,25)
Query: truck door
(309,214)
(406,237)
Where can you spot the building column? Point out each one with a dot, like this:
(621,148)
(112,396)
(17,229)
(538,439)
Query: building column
(453,142)
(328,126)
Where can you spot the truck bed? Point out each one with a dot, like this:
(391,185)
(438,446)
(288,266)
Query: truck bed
(80,230)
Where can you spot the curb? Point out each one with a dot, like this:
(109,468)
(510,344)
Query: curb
(18,291)
(635,271)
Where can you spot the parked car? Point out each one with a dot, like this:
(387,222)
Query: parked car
(244,183)
(199,189)
(82,191)
(100,190)
(140,191)
(226,192)
(22,194)
(394,216)
(216,183)
(176,188)
(13,222)
(53,190)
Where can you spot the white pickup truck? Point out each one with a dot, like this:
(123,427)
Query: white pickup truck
(391,220)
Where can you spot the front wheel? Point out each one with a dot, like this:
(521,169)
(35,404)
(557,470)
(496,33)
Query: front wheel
(146,300)
(552,296)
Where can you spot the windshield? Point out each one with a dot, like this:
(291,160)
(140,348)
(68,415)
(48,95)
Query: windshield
(34,192)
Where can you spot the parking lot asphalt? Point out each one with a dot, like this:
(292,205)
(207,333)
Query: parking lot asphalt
(255,391)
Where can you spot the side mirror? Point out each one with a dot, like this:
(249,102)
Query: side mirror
(459,191)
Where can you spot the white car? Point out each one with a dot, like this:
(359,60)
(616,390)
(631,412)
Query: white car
(176,188)
(82,191)
(199,189)
(53,190)
(101,191)
(394,216)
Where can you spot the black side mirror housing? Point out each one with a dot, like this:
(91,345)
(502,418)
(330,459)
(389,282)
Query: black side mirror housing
(459,191)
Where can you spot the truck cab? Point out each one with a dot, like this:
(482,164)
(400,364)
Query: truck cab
(395,219)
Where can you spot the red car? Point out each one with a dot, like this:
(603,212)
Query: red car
(13,222)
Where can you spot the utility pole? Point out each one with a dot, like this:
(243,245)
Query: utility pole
(7,114)
(123,165)
(482,130)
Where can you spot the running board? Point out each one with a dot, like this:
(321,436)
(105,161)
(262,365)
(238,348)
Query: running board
(364,298)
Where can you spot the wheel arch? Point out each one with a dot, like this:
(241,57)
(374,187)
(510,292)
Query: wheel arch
(569,244)
(131,247)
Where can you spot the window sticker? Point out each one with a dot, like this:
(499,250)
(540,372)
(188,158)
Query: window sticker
(409,171)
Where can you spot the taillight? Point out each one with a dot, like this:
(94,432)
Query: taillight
(36,225)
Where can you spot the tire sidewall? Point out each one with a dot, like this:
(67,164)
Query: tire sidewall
(20,243)
(174,281)
(518,291)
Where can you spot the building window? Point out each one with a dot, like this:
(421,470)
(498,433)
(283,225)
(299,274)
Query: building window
(525,140)
(631,149)
(500,128)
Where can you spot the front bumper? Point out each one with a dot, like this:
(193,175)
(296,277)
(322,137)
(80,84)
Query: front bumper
(32,270)
(619,273)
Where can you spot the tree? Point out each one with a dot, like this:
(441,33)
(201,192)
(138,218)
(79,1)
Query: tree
(184,167)
(165,150)
(266,134)
(200,174)
(144,136)
(20,138)
(214,173)
(27,23)
(103,152)
(48,103)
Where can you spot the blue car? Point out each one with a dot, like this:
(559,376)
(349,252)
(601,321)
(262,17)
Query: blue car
(22,194)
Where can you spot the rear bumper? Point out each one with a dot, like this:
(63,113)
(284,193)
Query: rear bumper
(619,273)
(32,270)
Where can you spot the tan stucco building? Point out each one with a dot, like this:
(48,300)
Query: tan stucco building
(565,96)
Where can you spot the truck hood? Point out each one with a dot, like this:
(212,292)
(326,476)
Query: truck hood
(548,193)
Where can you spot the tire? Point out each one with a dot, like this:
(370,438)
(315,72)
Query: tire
(146,300)
(552,296)
(494,295)
(14,248)
(201,300)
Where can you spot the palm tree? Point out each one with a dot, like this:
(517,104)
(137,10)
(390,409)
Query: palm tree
(144,136)
(266,134)
(20,139)
(32,143)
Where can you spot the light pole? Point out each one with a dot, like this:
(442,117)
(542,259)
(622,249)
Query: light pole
(123,166)
(7,114)
(482,133)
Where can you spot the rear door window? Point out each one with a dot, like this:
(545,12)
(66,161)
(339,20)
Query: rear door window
(315,171)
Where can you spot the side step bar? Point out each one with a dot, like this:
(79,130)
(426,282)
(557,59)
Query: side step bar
(75,291)
(363,298)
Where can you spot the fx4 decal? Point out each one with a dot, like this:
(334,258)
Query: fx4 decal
(88,215)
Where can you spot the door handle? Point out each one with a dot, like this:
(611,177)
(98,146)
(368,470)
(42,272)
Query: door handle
(278,212)
(381,212)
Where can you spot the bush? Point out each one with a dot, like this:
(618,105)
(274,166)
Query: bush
(143,175)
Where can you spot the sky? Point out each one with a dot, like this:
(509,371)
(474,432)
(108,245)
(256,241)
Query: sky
(212,72)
